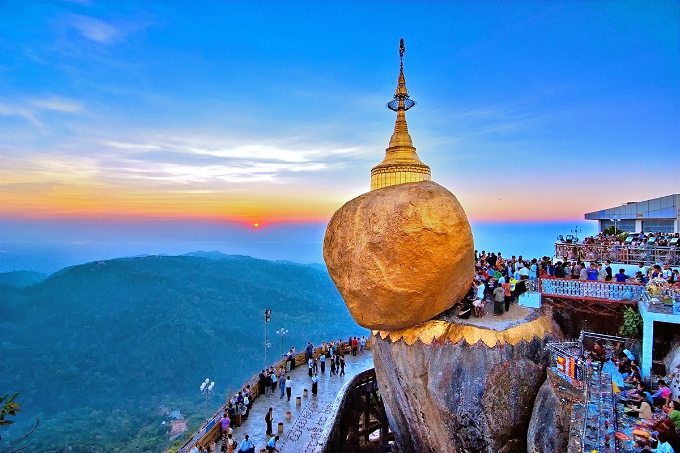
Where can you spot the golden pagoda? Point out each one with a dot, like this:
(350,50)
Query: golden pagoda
(401,163)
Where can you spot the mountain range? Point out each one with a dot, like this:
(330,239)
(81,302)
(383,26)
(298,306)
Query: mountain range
(96,349)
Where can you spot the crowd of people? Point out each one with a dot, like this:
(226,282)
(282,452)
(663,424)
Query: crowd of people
(636,239)
(657,410)
(499,281)
(237,409)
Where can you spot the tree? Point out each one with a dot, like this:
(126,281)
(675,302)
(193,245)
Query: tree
(10,408)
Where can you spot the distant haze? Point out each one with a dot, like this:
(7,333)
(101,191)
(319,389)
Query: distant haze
(48,247)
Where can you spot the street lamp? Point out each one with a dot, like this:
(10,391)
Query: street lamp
(616,230)
(267,318)
(576,231)
(282,332)
(207,388)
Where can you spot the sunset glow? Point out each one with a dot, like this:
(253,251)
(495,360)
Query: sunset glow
(526,111)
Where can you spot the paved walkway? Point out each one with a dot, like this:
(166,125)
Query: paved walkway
(308,419)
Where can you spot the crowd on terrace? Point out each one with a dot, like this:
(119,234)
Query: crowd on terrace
(632,240)
(502,280)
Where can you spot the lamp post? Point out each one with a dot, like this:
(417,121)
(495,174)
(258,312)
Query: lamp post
(576,231)
(616,230)
(282,332)
(207,388)
(267,318)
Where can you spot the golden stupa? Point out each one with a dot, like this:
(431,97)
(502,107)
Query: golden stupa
(403,254)
(401,163)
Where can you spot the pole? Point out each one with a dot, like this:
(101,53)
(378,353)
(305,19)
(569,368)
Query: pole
(207,393)
(267,318)
(281,342)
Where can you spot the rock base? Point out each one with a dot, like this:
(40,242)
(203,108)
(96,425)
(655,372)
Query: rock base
(450,387)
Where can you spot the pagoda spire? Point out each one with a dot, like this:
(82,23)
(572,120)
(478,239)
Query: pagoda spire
(401,163)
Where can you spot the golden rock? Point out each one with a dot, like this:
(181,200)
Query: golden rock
(400,255)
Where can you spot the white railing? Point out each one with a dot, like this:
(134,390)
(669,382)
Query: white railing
(624,254)
(593,289)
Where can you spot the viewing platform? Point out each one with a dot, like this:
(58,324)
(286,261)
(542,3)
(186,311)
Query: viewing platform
(622,254)
(311,422)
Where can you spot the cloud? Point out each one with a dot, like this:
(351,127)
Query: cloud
(58,104)
(95,29)
(11,110)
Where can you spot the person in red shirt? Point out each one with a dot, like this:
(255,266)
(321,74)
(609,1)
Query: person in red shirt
(508,293)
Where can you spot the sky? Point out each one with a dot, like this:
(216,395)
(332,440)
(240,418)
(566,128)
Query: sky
(136,120)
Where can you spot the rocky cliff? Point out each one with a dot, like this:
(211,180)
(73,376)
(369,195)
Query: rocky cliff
(452,387)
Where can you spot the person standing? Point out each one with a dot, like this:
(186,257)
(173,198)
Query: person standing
(498,300)
(333,365)
(274,381)
(362,344)
(342,365)
(289,387)
(283,387)
(315,383)
(322,362)
(310,364)
(260,382)
(225,424)
(355,346)
(507,287)
(231,444)
(269,419)
(608,271)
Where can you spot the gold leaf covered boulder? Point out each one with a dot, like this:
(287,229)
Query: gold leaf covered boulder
(400,255)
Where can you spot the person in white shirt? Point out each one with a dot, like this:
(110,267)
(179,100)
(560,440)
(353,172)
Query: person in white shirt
(289,387)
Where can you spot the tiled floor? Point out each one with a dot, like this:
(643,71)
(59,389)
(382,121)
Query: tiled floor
(307,420)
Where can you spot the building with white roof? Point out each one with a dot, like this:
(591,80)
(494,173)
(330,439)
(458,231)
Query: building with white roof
(660,215)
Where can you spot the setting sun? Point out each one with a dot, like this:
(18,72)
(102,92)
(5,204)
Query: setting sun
(256,225)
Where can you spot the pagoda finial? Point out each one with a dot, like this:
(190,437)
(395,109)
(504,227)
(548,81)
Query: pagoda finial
(402,48)
(401,163)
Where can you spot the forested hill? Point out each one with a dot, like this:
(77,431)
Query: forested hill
(97,348)
(20,279)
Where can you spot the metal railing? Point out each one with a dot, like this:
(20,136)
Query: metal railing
(624,254)
(209,431)
(591,289)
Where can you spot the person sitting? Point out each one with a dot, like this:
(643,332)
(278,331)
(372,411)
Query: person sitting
(662,447)
(644,410)
(466,310)
(247,445)
(663,395)
(673,411)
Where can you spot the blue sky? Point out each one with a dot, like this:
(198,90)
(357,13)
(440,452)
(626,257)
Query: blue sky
(249,112)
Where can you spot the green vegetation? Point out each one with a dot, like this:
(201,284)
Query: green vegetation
(21,279)
(95,350)
(632,324)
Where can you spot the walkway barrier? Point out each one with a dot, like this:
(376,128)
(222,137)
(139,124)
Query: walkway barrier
(357,421)
(590,289)
(210,431)
(624,254)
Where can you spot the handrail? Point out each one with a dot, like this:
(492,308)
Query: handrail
(208,427)
(619,253)
(589,289)
(329,439)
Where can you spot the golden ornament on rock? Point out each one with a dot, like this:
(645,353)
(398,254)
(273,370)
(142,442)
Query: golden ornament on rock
(400,255)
